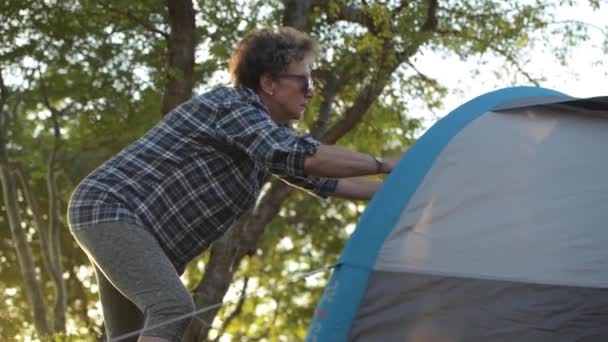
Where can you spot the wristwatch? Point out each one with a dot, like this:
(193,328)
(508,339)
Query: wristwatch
(379,162)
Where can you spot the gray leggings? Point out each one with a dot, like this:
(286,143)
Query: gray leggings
(138,285)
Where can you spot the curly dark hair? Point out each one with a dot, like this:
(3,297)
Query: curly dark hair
(271,51)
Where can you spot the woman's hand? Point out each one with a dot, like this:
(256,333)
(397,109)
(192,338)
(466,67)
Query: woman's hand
(388,164)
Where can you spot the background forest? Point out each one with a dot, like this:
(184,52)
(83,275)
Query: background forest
(81,79)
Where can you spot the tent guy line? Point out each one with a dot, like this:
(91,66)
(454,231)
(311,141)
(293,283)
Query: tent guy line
(292,279)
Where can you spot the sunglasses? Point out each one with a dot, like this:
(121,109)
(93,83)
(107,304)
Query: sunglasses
(306,81)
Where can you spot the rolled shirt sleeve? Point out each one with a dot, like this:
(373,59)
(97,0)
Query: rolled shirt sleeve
(250,129)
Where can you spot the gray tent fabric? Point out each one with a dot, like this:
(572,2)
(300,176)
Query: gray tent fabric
(517,196)
(419,307)
(505,239)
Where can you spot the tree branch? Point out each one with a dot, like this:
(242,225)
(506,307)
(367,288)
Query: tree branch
(329,94)
(180,54)
(399,8)
(354,114)
(502,52)
(431,21)
(237,310)
(139,21)
(38,221)
(348,13)
(423,76)
(580,23)
(356,15)
(296,13)
(3,91)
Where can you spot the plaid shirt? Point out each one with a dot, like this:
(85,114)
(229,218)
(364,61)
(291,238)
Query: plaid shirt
(196,172)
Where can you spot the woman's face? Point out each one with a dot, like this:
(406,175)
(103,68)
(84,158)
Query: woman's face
(293,90)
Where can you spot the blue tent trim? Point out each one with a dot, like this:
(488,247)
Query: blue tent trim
(347,284)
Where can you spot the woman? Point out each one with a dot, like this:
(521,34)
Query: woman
(156,205)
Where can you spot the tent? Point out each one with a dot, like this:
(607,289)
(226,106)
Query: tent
(492,227)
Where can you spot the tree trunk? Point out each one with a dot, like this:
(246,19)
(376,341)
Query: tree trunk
(227,253)
(33,290)
(54,237)
(42,233)
(180,53)
(296,13)
(49,244)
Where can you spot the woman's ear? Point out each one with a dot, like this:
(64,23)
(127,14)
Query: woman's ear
(267,84)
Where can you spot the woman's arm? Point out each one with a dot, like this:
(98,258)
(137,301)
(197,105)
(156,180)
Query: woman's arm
(356,188)
(335,162)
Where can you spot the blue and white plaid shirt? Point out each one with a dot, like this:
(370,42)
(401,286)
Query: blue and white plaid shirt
(196,172)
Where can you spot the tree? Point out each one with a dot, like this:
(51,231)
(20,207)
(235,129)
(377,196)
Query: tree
(59,92)
(77,73)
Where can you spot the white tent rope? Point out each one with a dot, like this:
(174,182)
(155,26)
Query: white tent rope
(213,306)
